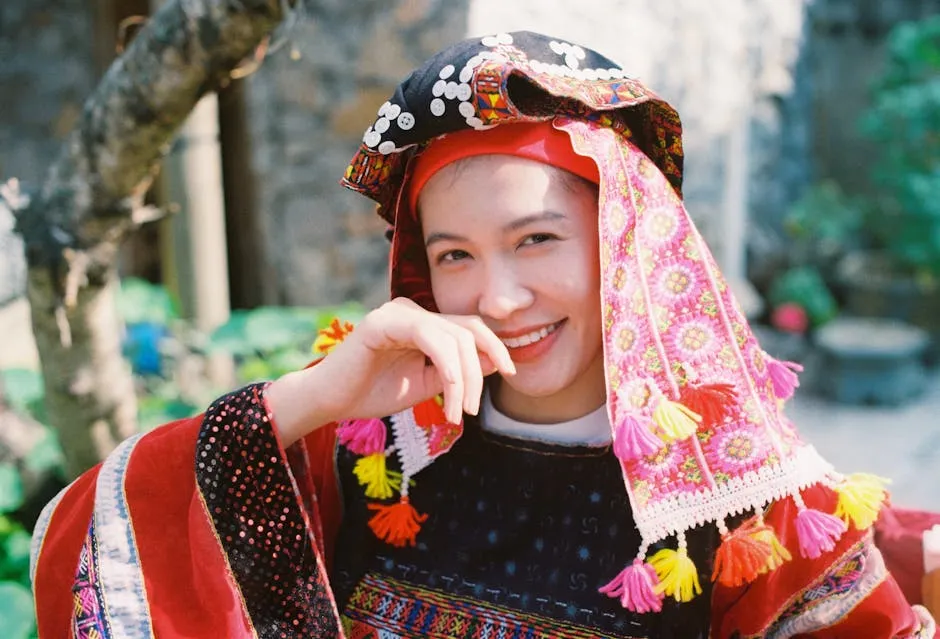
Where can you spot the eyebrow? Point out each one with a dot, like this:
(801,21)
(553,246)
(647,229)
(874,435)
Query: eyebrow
(515,225)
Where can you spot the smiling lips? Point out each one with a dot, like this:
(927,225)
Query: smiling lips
(531,337)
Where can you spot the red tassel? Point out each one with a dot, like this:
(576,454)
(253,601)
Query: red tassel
(634,440)
(784,378)
(429,413)
(396,524)
(741,557)
(712,401)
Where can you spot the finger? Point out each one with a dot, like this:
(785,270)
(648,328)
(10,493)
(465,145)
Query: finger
(441,348)
(486,342)
(470,366)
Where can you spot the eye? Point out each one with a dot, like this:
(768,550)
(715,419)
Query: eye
(452,256)
(538,238)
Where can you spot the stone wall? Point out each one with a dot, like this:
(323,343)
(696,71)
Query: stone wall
(308,107)
(46,70)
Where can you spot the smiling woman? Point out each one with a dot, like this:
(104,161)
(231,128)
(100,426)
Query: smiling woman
(561,426)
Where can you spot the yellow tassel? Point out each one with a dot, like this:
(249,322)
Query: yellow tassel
(678,577)
(778,552)
(675,420)
(329,337)
(860,498)
(380,483)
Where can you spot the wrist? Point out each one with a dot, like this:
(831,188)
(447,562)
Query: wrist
(297,404)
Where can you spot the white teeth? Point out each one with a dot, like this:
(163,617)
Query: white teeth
(530,338)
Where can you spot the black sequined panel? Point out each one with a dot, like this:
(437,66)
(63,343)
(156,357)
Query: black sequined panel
(246,482)
(529,527)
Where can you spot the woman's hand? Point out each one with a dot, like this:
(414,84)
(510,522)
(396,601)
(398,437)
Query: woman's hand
(397,356)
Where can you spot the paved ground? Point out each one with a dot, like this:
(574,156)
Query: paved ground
(900,443)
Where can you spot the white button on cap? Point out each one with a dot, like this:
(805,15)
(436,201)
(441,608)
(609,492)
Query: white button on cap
(386,147)
(557,47)
(447,71)
(504,38)
(381,125)
(577,51)
(450,91)
(392,111)
(466,74)
(467,110)
(489,41)
(371,138)
(384,108)
(438,89)
(571,60)
(464,91)
(437,107)
(476,123)
(406,121)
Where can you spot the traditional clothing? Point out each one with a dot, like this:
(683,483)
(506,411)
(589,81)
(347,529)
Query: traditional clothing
(705,515)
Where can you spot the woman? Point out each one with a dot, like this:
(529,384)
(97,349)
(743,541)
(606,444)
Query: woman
(614,461)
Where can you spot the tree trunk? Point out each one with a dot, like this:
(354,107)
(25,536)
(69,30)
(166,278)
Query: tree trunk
(93,197)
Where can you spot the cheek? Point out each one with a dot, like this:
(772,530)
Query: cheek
(451,296)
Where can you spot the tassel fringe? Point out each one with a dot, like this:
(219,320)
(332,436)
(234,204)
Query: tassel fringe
(634,440)
(396,524)
(329,337)
(742,556)
(860,499)
(784,378)
(712,401)
(779,554)
(636,587)
(371,472)
(678,577)
(817,532)
(675,420)
(363,436)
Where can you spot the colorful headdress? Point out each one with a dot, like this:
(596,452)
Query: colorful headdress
(694,402)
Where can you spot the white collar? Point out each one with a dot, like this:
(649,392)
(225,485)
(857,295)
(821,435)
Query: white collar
(592,429)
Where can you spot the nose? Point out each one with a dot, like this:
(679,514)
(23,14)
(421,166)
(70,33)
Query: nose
(503,292)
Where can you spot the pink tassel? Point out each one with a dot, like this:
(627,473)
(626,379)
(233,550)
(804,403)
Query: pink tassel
(817,532)
(363,436)
(634,440)
(635,585)
(783,376)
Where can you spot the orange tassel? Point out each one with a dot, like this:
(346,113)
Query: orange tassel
(712,401)
(329,337)
(778,552)
(741,557)
(396,524)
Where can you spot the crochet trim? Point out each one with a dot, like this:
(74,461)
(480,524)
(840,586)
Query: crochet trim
(750,491)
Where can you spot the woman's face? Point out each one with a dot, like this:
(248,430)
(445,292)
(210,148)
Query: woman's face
(515,242)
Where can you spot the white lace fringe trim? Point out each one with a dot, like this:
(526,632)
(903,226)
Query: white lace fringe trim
(751,491)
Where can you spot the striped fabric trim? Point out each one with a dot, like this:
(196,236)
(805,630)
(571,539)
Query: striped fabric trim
(40,530)
(831,598)
(120,576)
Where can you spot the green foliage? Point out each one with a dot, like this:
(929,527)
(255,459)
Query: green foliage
(16,601)
(805,286)
(823,224)
(904,120)
(140,302)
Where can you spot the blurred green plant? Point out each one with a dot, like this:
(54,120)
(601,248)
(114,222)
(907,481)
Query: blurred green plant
(16,600)
(904,120)
(804,286)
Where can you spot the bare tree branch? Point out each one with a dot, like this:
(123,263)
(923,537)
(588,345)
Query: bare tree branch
(93,197)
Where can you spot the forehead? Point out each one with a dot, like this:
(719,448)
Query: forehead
(488,188)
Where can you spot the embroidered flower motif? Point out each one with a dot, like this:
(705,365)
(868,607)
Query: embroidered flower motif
(677,281)
(695,340)
(661,225)
(735,449)
(626,338)
(619,278)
